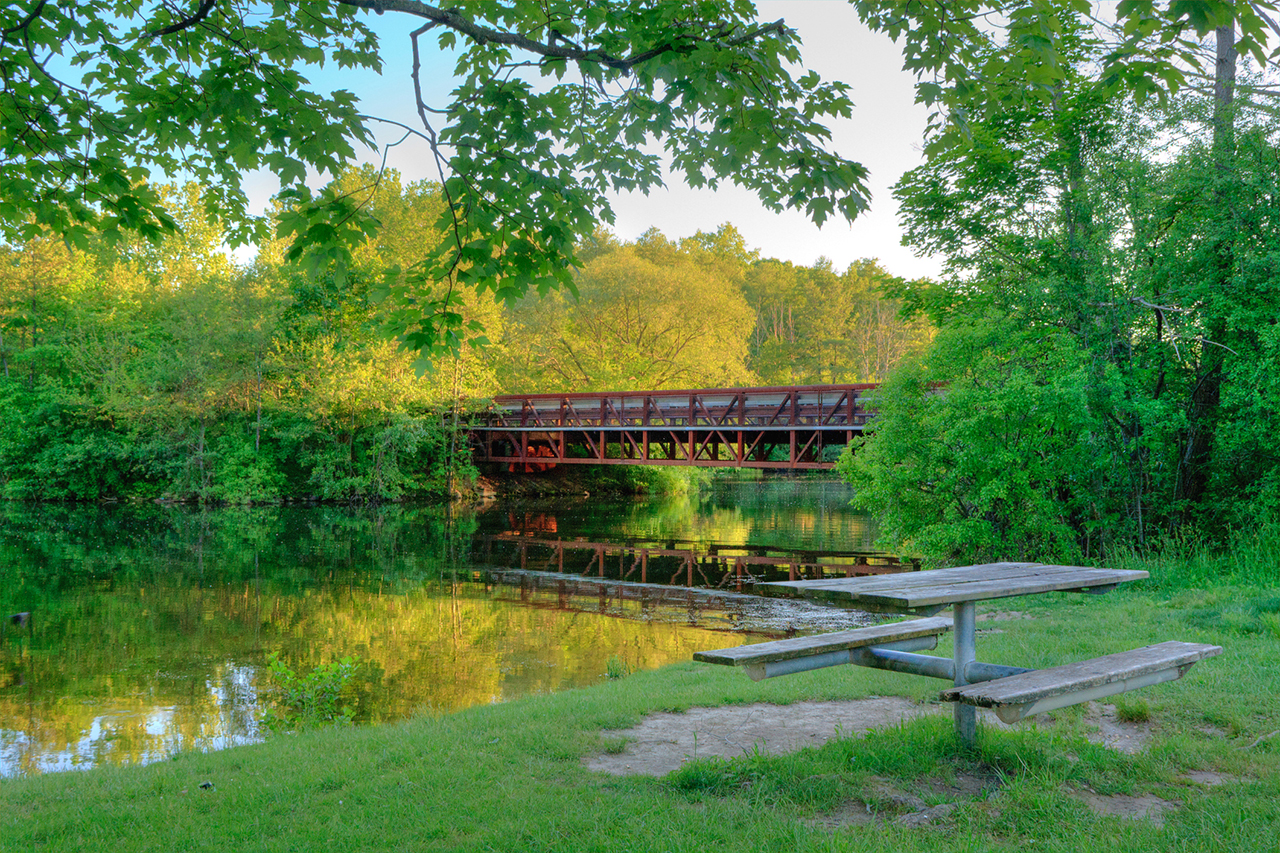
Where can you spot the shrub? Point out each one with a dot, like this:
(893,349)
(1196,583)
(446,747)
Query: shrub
(321,697)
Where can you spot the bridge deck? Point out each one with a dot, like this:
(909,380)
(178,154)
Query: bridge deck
(771,427)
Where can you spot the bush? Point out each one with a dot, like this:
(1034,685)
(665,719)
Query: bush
(975,456)
(321,697)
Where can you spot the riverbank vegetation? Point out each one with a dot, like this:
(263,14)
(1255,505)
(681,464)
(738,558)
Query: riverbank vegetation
(1104,372)
(140,371)
(1212,758)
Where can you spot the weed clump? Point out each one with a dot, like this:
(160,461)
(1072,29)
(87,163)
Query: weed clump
(321,697)
(615,668)
(1135,711)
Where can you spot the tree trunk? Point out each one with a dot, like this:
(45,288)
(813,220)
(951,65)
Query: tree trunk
(1202,415)
(200,458)
(257,429)
(1224,90)
(453,431)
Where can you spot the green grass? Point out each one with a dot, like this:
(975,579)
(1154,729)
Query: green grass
(509,776)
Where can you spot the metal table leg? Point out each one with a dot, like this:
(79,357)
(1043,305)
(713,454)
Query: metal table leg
(966,716)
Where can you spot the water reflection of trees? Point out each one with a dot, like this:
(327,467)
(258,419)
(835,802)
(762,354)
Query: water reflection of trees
(152,625)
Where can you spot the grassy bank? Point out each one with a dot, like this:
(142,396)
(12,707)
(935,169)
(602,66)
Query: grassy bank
(509,777)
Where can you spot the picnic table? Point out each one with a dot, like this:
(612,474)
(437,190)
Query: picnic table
(1012,692)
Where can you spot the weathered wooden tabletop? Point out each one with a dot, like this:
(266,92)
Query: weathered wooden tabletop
(933,590)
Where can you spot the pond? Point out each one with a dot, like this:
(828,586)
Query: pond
(150,626)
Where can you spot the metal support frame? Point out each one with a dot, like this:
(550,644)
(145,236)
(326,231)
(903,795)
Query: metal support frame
(772,669)
(714,427)
(882,657)
(896,656)
(964,620)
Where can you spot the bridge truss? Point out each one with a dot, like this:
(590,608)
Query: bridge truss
(794,427)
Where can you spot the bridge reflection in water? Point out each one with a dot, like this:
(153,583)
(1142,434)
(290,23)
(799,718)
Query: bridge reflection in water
(704,583)
(800,427)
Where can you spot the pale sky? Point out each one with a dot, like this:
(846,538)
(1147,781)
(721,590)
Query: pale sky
(884,134)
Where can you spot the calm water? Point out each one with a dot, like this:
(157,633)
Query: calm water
(150,625)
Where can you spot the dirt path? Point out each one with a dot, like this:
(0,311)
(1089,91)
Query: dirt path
(663,742)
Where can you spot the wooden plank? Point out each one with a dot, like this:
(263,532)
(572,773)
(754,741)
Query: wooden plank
(965,574)
(797,647)
(991,569)
(1046,689)
(948,586)
(976,591)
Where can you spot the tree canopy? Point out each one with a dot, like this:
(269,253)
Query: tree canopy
(1103,371)
(556,104)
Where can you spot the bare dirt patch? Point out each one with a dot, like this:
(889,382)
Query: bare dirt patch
(1114,733)
(1144,807)
(661,743)
(1216,732)
(1209,778)
(882,801)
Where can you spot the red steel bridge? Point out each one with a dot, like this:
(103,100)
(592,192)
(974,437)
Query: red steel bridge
(787,427)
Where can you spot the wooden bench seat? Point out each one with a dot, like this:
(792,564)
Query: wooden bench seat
(798,654)
(1042,690)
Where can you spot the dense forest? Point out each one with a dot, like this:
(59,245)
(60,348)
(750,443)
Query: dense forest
(1105,371)
(139,370)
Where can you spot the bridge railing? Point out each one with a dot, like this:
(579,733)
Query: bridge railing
(774,407)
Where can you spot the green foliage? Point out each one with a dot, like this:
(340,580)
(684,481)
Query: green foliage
(1102,373)
(549,114)
(321,697)
(979,58)
(815,326)
(107,92)
(53,448)
(704,312)
(641,479)
(408,456)
(990,463)
(146,371)
(1189,560)
(141,371)
(242,475)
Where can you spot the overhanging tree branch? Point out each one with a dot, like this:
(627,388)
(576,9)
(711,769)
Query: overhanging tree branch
(206,6)
(25,22)
(556,46)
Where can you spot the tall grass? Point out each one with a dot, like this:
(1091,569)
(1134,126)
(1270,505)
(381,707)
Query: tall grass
(1190,560)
